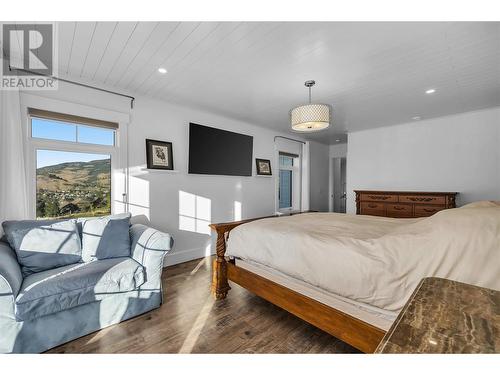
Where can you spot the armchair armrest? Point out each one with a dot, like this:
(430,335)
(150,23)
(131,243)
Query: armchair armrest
(149,247)
(11,279)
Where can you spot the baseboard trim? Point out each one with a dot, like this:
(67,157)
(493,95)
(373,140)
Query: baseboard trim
(177,257)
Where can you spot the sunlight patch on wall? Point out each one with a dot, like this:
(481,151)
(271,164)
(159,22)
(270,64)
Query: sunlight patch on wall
(139,197)
(237,211)
(195,213)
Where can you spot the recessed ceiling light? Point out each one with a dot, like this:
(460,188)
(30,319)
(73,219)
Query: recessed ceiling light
(337,140)
(416,118)
(430,91)
(162,70)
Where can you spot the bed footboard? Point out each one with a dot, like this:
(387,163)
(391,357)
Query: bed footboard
(220,285)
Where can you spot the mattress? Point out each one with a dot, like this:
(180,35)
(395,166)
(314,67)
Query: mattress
(380,318)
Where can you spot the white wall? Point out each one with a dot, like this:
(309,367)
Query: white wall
(155,196)
(338,150)
(319,177)
(453,153)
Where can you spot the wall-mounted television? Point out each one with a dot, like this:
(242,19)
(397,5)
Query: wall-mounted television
(219,152)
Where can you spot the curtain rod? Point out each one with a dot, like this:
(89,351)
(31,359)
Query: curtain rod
(132,99)
(290,139)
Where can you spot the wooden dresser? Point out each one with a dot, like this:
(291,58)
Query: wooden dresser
(402,204)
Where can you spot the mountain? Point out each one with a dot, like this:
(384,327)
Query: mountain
(66,176)
(81,188)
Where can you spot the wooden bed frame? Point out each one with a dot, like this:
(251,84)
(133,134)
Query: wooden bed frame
(345,327)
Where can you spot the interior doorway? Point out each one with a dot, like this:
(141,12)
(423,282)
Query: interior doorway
(339,193)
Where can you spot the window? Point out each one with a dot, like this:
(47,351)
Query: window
(70,184)
(57,131)
(63,131)
(285,180)
(285,189)
(73,158)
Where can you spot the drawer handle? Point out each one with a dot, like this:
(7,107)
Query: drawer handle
(398,208)
(381,197)
(372,205)
(420,199)
(429,209)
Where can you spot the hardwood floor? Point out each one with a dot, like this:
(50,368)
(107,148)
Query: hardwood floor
(191,321)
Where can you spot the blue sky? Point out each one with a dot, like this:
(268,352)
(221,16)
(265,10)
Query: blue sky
(61,131)
(49,157)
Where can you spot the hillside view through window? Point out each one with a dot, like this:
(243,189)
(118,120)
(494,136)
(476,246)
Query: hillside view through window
(72,184)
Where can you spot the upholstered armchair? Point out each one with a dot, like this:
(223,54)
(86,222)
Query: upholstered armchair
(41,310)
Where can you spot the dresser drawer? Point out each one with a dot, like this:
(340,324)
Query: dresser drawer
(399,210)
(427,199)
(372,208)
(379,197)
(426,210)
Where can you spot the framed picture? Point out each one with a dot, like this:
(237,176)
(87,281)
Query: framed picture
(159,155)
(263,167)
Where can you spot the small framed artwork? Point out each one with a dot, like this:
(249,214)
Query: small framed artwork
(159,155)
(263,167)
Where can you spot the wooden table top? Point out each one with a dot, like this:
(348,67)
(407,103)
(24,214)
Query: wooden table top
(445,316)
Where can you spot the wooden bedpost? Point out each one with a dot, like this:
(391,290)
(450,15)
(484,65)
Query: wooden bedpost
(220,285)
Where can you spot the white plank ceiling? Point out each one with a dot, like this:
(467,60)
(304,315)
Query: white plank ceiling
(373,74)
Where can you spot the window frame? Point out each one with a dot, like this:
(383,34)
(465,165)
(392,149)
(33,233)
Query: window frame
(295,181)
(35,144)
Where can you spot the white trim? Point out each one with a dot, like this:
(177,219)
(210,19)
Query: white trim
(152,170)
(184,256)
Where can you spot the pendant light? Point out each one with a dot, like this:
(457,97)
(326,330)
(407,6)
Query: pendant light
(310,117)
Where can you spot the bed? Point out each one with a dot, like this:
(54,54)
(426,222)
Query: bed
(350,275)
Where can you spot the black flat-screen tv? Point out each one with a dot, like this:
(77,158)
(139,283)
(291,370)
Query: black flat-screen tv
(219,152)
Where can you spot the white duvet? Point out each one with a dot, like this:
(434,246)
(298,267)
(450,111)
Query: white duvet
(375,260)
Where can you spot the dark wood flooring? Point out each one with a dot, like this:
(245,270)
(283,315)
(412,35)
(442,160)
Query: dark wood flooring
(191,321)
